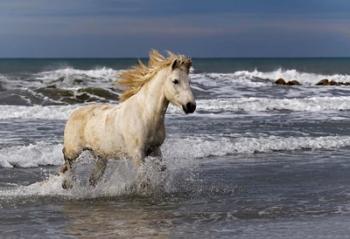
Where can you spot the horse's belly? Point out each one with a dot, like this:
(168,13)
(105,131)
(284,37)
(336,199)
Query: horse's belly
(107,146)
(105,140)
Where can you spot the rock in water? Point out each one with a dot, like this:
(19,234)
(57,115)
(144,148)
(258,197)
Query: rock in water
(323,82)
(293,82)
(280,81)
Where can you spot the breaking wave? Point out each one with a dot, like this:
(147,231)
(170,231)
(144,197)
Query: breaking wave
(36,112)
(121,178)
(246,104)
(290,74)
(253,104)
(183,149)
(198,147)
(2,82)
(68,77)
(63,78)
(32,155)
(73,86)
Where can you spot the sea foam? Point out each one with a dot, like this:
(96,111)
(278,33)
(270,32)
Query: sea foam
(254,104)
(36,112)
(246,104)
(103,73)
(32,155)
(288,74)
(183,150)
(121,178)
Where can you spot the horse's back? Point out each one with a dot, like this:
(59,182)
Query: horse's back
(83,114)
(75,129)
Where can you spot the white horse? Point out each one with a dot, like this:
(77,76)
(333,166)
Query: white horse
(135,127)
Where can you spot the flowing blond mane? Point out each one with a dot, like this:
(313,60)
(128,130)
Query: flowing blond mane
(133,79)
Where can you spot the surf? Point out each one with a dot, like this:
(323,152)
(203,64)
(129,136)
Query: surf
(181,151)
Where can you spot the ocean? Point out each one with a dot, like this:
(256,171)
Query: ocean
(256,159)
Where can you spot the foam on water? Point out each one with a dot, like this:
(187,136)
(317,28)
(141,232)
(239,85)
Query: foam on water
(104,73)
(32,155)
(36,112)
(289,74)
(243,83)
(247,78)
(215,80)
(97,76)
(120,182)
(253,104)
(247,104)
(51,86)
(68,78)
(183,149)
(2,81)
(198,147)
(121,178)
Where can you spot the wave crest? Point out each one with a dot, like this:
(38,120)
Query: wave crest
(32,155)
(121,178)
(289,74)
(246,104)
(253,104)
(182,150)
(68,75)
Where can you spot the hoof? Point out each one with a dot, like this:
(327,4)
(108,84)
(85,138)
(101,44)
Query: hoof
(92,182)
(67,184)
(64,168)
(163,168)
(98,171)
(145,186)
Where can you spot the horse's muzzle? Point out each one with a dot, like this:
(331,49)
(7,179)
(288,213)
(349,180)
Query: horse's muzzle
(189,107)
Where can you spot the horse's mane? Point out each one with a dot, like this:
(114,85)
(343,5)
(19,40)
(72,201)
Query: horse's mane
(133,79)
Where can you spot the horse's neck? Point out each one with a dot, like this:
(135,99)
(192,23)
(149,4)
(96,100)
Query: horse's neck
(152,101)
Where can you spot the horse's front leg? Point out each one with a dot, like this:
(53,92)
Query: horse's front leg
(98,170)
(138,158)
(157,153)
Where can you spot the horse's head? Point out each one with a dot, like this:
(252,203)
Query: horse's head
(177,87)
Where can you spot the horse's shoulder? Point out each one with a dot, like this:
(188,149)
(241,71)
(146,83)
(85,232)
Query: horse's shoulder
(106,106)
(88,110)
(96,107)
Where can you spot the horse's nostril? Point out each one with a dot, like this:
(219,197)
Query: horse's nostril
(191,107)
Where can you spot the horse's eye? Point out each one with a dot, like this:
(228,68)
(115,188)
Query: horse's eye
(176,81)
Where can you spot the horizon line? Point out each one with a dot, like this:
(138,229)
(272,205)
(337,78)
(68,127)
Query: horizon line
(194,57)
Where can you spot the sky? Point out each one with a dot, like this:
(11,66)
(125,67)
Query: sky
(199,28)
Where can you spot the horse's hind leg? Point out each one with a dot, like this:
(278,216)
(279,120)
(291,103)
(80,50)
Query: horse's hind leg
(66,170)
(98,171)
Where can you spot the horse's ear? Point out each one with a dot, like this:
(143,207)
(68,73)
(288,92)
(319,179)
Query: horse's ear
(174,64)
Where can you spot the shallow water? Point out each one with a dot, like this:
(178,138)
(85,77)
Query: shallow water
(256,160)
